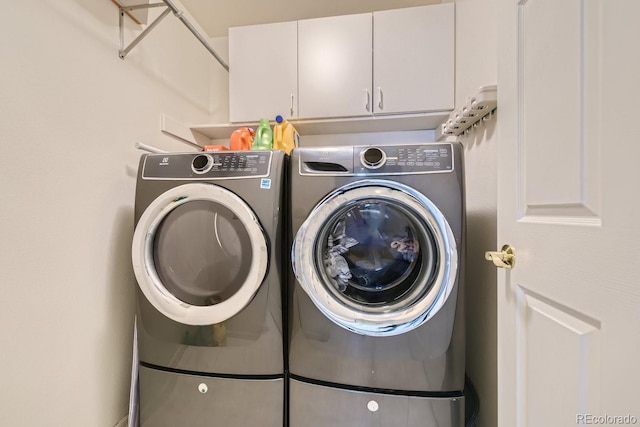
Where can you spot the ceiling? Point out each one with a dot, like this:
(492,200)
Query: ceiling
(215,17)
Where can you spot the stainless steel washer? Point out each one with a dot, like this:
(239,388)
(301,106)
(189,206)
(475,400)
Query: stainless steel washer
(376,316)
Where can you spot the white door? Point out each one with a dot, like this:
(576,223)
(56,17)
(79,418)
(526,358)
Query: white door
(334,66)
(568,173)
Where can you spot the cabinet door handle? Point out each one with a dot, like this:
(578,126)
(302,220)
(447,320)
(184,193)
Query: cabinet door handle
(380,98)
(367,105)
(291,107)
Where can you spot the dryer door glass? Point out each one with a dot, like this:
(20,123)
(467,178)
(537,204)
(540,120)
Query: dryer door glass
(376,257)
(202,253)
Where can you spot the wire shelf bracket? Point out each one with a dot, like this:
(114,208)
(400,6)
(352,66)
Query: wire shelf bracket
(170,7)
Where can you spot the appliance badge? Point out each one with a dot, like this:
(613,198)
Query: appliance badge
(265,183)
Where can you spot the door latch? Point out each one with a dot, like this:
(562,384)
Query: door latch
(506,258)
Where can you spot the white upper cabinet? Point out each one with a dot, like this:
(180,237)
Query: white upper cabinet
(263,75)
(334,66)
(394,62)
(413,59)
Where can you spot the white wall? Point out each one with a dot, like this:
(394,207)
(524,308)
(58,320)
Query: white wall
(220,84)
(476,65)
(70,112)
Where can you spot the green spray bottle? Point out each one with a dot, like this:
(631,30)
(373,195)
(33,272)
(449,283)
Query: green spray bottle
(264,136)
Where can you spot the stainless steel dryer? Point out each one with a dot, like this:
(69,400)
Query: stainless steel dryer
(376,324)
(207,254)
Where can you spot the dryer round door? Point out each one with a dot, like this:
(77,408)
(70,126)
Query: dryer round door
(199,254)
(376,257)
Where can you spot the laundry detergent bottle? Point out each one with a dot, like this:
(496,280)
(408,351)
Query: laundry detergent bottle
(285,136)
(264,136)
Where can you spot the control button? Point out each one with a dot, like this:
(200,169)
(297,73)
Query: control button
(373,406)
(202,163)
(372,158)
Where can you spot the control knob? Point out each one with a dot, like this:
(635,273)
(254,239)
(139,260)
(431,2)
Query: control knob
(202,163)
(373,158)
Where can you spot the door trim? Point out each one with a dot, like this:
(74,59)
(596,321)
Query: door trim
(144,266)
(381,322)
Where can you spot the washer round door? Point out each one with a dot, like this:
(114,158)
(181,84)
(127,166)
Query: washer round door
(376,257)
(199,254)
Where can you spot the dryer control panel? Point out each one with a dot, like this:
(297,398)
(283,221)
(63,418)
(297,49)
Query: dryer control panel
(210,165)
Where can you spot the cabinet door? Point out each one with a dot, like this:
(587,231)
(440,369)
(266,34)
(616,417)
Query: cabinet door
(334,66)
(263,71)
(413,59)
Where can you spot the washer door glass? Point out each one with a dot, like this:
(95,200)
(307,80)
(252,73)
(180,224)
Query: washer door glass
(374,253)
(376,257)
(199,254)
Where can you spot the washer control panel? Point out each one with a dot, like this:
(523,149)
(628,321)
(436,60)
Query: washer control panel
(208,165)
(401,159)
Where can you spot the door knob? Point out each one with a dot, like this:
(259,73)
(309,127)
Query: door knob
(506,258)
